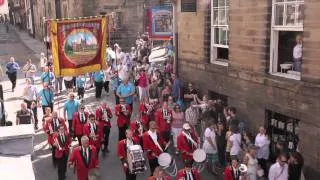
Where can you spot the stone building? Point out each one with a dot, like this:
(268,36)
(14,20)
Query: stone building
(242,53)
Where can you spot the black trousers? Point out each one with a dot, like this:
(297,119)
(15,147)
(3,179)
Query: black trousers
(153,163)
(122,132)
(98,86)
(13,79)
(106,86)
(62,167)
(130,176)
(54,160)
(263,164)
(116,97)
(81,92)
(70,127)
(34,110)
(166,135)
(106,137)
(45,106)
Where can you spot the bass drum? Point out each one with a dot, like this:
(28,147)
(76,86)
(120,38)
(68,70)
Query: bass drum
(168,164)
(199,157)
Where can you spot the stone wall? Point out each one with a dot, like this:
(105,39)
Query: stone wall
(246,81)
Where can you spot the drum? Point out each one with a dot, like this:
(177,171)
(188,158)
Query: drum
(136,160)
(94,174)
(199,157)
(168,164)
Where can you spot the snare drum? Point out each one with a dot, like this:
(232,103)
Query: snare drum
(136,160)
(168,164)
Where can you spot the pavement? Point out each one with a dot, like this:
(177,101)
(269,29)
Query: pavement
(20,45)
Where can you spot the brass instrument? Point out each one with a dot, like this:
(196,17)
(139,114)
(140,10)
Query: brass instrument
(93,134)
(105,115)
(166,116)
(150,108)
(123,108)
(140,127)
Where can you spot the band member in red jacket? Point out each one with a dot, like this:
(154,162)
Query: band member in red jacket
(154,145)
(51,127)
(94,130)
(164,120)
(232,172)
(104,115)
(62,142)
(188,172)
(84,158)
(187,142)
(123,112)
(80,118)
(145,110)
(159,175)
(137,129)
(123,146)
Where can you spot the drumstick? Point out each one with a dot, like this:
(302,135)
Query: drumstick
(167,145)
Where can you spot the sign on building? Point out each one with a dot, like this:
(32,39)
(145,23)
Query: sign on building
(188,5)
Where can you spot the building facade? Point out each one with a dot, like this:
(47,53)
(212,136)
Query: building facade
(244,52)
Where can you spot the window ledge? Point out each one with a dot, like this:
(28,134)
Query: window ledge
(220,62)
(288,76)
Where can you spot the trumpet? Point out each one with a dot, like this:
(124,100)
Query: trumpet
(149,109)
(93,136)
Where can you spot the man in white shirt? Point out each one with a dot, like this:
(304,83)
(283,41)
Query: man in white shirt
(262,142)
(279,170)
(297,54)
(235,141)
(30,70)
(210,147)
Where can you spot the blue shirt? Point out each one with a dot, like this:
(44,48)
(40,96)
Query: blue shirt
(46,97)
(47,77)
(98,76)
(71,106)
(115,81)
(125,90)
(81,81)
(12,67)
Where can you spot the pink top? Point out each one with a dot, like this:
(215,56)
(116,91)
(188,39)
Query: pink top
(177,119)
(143,80)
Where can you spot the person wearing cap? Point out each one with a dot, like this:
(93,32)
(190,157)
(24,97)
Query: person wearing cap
(80,118)
(188,173)
(104,115)
(187,142)
(94,130)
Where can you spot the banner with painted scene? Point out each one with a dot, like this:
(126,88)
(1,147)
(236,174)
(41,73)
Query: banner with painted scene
(160,22)
(78,45)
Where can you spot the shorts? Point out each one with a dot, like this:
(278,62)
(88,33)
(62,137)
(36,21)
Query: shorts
(212,158)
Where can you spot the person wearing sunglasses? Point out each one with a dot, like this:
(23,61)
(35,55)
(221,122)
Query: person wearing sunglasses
(80,118)
(279,170)
(94,130)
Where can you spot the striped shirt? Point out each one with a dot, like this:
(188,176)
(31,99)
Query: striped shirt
(192,116)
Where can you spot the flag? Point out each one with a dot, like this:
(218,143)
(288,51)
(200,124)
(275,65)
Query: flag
(78,46)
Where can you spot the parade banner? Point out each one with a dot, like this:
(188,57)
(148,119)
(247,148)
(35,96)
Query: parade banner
(161,22)
(78,46)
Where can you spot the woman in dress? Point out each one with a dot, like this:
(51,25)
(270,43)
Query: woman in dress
(252,163)
(177,122)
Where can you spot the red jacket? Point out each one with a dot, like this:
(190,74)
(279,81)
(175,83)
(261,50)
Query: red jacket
(122,148)
(163,125)
(49,126)
(98,131)
(78,159)
(143,114)
(122,119)
(77,125)
(185,146)
(64,146)
(150,147)
(134,126)
(163,178)
(229,174)
(182,174)
(101,117)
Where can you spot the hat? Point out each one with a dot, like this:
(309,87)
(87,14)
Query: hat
(186,126)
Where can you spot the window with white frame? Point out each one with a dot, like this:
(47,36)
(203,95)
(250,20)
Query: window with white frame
(286,38)
(219,30)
